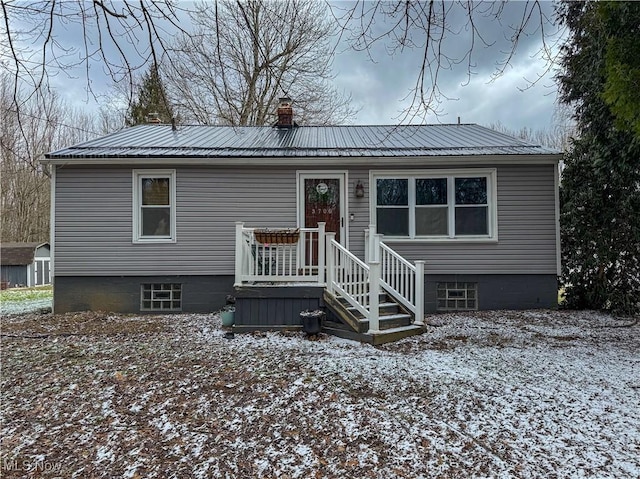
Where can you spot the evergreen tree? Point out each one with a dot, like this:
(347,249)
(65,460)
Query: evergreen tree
(622,87)
(150,98)
(600,196)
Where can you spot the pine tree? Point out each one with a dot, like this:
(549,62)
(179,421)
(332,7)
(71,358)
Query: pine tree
(150,98)
(600,195)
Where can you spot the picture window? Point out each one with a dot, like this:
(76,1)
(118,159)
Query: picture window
(436,205)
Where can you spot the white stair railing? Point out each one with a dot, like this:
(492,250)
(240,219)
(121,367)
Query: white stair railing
(350,277)
(403,281)
(398,277)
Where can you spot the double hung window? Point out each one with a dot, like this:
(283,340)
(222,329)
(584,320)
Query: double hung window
(154,209)
(436,205)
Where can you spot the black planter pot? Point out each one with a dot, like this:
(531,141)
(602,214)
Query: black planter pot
(312,321)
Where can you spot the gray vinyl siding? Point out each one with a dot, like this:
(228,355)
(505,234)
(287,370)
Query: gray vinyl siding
(94,220)
(93,215)
(359,208)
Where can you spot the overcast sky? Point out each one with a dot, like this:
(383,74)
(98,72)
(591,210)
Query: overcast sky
(380,87)
(379,82)
(380,91)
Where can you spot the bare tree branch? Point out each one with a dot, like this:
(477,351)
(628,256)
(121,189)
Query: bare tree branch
(46,38)
(243,55)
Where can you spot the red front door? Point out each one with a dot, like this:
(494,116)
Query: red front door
(321,203)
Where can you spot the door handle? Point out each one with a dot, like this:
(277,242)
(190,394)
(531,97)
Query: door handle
(342,222)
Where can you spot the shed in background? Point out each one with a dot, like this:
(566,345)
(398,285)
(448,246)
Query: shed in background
(25,264)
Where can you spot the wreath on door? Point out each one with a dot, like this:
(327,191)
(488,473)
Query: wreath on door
(320,194)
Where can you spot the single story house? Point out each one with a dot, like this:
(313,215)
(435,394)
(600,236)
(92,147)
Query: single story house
(287,217)
(25,264)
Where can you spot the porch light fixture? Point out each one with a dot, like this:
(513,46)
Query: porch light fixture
(359,189)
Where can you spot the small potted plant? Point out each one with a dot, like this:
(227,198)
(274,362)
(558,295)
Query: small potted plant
(312,321)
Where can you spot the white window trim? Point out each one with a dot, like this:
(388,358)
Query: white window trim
(492,199)
(137,200)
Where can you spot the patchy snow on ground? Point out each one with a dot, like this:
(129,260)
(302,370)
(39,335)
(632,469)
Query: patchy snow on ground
(23,307)
(25,300)
(493,394)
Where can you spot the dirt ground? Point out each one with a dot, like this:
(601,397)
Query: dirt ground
(525,394)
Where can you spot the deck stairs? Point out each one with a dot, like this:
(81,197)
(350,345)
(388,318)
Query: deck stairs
(375,299)
(345,321)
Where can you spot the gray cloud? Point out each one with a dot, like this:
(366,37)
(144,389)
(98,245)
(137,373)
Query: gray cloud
(379,88)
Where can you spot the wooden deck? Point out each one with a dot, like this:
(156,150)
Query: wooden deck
(280,273)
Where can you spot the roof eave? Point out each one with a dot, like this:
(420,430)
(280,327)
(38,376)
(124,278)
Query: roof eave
(530,159)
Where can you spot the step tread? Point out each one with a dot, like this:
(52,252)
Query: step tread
(399,328)
(342,299)
(392,317)
(386,323)
(381,305)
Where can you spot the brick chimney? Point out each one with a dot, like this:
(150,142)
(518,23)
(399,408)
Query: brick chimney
(285,113)
(153,117)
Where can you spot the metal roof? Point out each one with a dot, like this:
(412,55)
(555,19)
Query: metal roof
(198,141)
